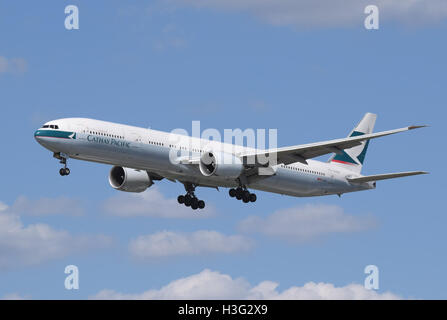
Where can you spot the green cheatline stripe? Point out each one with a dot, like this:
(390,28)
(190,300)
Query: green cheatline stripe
(55,134)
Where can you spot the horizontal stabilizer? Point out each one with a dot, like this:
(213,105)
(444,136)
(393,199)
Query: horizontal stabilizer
(385,176)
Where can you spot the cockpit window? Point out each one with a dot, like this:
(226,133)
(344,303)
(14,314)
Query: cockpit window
(51,126)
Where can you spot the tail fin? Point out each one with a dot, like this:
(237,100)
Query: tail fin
(352,158)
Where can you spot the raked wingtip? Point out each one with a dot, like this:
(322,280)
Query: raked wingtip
(417,127)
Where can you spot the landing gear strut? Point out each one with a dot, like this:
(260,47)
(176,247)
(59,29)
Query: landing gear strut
(190,199)
(63,160)
(241,193)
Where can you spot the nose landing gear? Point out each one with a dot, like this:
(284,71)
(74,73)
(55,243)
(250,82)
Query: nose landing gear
(63,160)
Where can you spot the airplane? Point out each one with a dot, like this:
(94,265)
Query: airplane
(141,156)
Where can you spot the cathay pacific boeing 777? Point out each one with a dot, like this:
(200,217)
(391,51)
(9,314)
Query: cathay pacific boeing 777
(141,156)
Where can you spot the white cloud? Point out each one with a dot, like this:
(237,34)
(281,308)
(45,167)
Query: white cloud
(22,245)
(13,65)
(329,13)
(318,291)
(300,224)
(47,206)
(215,285)
(3,207)
(152,203)
(14,296)
(168,244)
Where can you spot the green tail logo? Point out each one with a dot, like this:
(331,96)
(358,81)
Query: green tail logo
(344,157)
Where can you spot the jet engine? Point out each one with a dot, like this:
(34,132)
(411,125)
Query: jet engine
(129,180)
(220,164)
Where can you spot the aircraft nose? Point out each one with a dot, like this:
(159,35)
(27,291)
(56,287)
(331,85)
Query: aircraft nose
(37,135)
(42,139)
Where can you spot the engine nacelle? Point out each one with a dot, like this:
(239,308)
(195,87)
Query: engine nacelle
(129,180)
(220,164)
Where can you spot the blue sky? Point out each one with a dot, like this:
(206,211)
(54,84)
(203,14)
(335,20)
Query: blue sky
(237,64)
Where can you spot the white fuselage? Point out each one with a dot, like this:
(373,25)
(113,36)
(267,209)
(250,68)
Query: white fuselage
(151,150)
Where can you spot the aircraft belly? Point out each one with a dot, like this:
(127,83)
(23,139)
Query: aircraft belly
(291,183)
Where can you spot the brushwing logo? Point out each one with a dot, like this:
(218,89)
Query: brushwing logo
(355,155)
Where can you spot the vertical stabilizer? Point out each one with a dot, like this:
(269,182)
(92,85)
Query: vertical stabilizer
(353,158)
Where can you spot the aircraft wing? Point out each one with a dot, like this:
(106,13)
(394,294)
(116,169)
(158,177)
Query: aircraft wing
(385,176)
(301,153)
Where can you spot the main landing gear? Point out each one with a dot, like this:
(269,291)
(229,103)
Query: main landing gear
(241,193)
(63,159)
(190,199)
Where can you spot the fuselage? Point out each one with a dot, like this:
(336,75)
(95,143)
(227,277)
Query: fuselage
(152,151)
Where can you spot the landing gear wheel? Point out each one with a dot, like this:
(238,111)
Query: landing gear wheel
(253,197)
(181,199)
(245,196)
(64,171)
(201,204)
(194,203)
(188,200)
(239,193)
(232,192)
